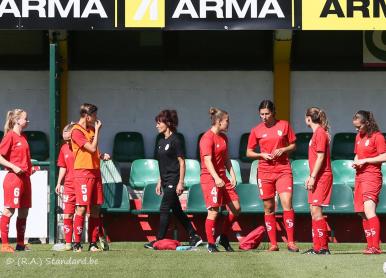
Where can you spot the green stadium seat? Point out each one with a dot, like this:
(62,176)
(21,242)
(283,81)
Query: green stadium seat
(343,172)
(143,172)
(196,203)
(198,146)
(302,143)
(128,146)
(384,172)
(343,146)
(192,173)
(249,199)
(160,135)
(110,172)
(253,172)
(300,199)
(236,168)
(300,170)
(38,143)
(342,200)
(116,198)
(381,208)
(243,148)
(151,202)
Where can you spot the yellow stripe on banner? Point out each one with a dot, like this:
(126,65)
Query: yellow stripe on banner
(116,13)
(293,13)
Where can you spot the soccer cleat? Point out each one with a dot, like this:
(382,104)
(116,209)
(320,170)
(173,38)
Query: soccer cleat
(310,252)
(224,242)
(212,248)
(150,244)
(6,248)
(93,247)
(372,251)
(273,248)
(77,248)
(291,246)
(323,252)
(195,241)
(22,248)
(104,243)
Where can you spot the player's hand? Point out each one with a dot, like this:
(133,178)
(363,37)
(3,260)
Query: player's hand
(158,189)
(266,156)
(359,163)
(58,189)
(105,156)
(98,124)
(17,170)
(310,182)
(180,188)
(219,182)
(233,182)
(278,153)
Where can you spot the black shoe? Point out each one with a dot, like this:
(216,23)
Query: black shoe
(149,245)
(212,248)
(77,247)
(310,252)
(224,242)
(324,252)
(22,248)
(195,241)
(93,247)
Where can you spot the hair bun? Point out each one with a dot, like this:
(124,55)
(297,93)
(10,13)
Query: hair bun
(212,110)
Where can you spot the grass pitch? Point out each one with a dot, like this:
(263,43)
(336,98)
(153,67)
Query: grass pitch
(132,260)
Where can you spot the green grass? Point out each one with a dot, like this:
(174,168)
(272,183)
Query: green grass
(132,260)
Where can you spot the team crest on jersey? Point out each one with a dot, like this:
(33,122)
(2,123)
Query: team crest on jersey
(218,146)
(367,142)
(167,147)
(280,133)
(66,156)
(264,135)
(18,144)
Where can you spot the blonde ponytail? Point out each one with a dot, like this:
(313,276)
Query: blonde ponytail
(11,118)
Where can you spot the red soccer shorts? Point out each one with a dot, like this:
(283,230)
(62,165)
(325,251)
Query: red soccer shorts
(17,191)
(69,198)
(88,191)
(367,187)
(321,194)
(269,183)
(217,196)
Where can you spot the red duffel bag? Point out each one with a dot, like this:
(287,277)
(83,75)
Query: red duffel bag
(166,244)
(253,239)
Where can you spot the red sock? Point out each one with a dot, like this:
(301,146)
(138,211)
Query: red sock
(270,223)
(375,230)
(315,239)
(367,231)
(210,229)
(4,228)
(93,229)
(68,229)
(78,228)
(321,233)
(227,224)
(289,223)
(20,230)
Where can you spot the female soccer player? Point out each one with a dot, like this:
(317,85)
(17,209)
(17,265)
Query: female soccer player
(276,139)
(218,190)
(66,172)
(87,176)
(15,157)
(319,182)
(370,152)
(171,163)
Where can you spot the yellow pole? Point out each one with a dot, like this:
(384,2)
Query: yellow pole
(282,74)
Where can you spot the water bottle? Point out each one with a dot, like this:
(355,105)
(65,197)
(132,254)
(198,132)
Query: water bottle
(186,248)
(384,267)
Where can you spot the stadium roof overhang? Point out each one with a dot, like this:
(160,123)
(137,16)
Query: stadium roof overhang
(193,14)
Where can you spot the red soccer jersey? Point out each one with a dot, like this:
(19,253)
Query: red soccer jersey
(66,160)
(216,146)
(15,149)
(319,143)
(269,139)
(367,147)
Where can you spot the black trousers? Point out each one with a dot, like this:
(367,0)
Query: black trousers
(170,201)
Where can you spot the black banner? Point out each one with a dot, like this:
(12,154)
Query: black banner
(229,15)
